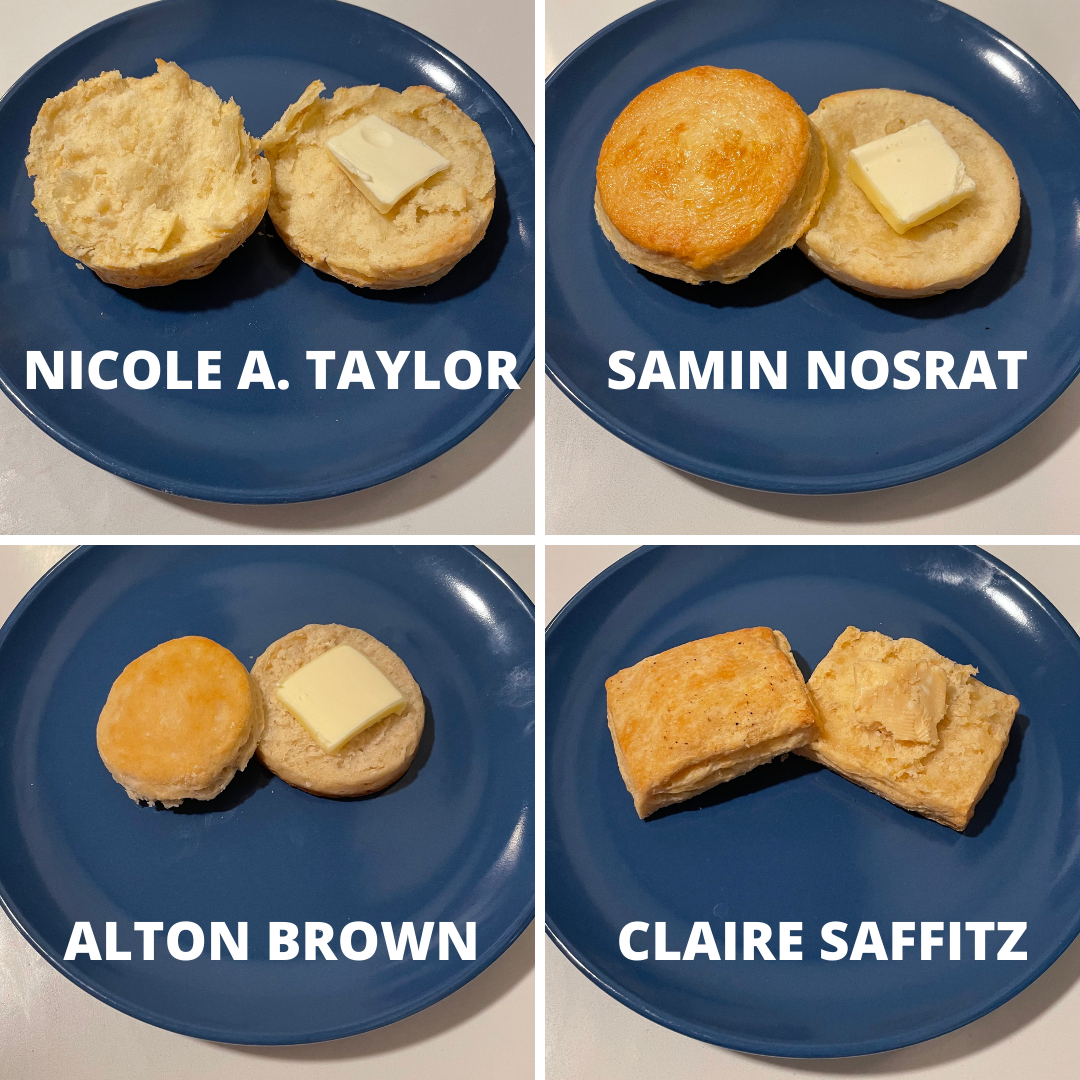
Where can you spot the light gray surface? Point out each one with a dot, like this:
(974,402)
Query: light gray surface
(482,485)
(1034,1035)
(52,1030)
(598,484)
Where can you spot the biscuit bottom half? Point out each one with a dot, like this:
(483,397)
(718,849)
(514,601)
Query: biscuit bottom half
(944,775)
(850,240)
(374,757)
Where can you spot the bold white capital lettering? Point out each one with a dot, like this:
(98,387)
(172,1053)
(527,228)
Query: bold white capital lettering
(626,946)
(476,369)
(256,369)
(82,940)
(320,359)
(833,376)
(465,949)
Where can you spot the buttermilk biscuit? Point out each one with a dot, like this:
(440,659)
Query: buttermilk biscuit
(374,757)
(690,718)
(854,244)
(180,721)
(904,722)
(330,225)
(146,181)
(708,174)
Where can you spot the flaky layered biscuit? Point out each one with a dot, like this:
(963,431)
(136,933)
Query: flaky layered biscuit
(697,715)
(374,757)
(180,721)
(853,243)
(943,778)
(707,174)
(146,181)
(332,227)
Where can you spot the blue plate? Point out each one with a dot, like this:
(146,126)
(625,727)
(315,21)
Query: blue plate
(800,440)
(450,841)
(793,841)
(261,445)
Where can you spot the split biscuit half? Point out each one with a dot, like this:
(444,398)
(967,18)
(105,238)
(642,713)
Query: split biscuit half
(374,757)
(146,181)
(851,241)
(326,222)
(707,174)
(862,690)
(705,712)
(180,721)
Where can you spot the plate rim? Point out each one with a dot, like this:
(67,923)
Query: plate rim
(829,485)
(502,942)
(792,1050)
(169,485)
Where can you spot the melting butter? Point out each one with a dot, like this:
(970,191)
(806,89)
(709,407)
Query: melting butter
(906,698)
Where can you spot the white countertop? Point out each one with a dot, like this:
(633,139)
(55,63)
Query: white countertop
(598,484)
(52,1030)
(482,485)
(1035,1035)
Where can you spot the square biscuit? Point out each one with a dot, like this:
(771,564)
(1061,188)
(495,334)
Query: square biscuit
(694,716)
(941,775)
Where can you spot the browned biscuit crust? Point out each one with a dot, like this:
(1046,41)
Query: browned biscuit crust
(705,712)
(707,174)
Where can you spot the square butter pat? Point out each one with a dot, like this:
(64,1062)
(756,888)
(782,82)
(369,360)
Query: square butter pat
(338,694)
(910,176)
(384,163)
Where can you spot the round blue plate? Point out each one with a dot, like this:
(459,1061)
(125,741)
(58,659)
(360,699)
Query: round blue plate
(260,445)
(793,841)
(450,841)
(800,440)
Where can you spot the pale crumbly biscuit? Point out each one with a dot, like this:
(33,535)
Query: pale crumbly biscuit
(707,174)
(697,715)
(180,721)
(853,243)
(330,225)
(374,757)
(146,181)
(942,780)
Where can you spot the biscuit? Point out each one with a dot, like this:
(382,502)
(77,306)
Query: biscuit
(180,721)
(941,774)
(694,716)
(707,174)
(146,181)
(331,226)
(374,757)
(852,243)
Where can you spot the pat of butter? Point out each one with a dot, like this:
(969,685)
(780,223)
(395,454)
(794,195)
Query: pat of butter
(339,694)
(906,698)
(910,176)
(384,163)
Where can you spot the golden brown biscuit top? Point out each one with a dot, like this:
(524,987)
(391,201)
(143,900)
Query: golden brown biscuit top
(699,163)
(180,711)
(705,699)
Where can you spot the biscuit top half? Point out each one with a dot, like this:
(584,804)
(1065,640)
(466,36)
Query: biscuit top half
(697,165)
(706,699)
(180,712)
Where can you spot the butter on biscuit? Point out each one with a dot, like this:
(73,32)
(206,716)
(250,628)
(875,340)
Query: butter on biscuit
(908,724)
